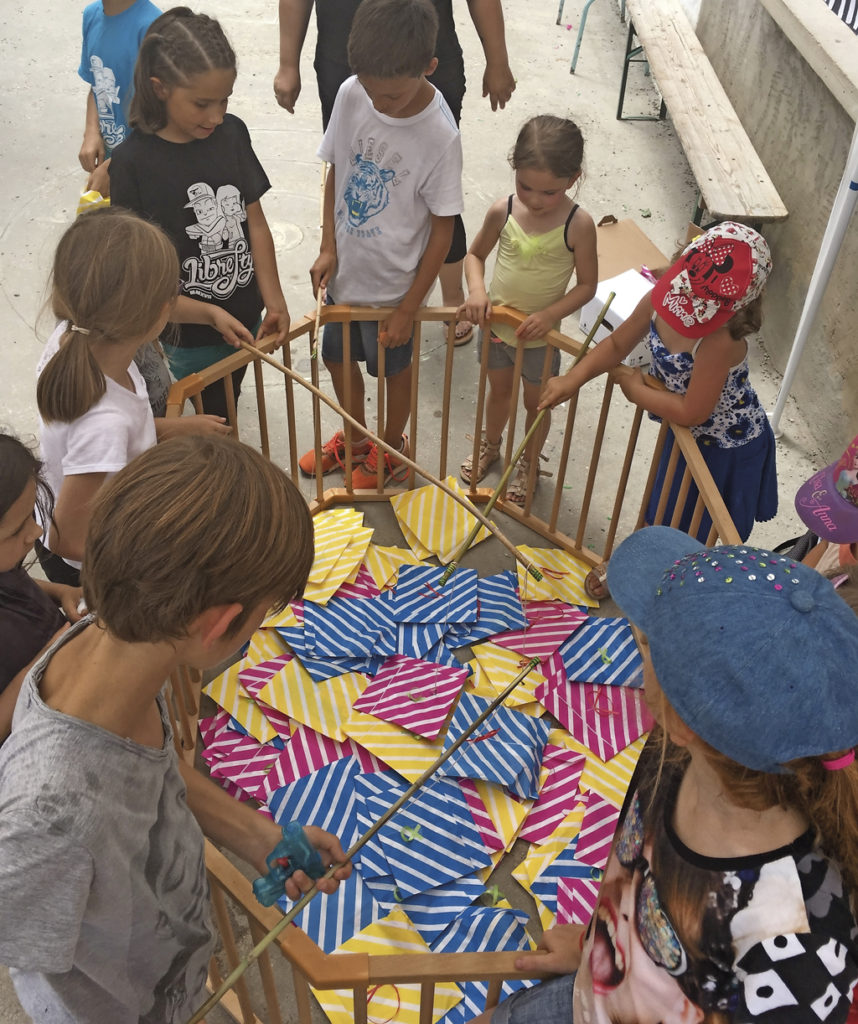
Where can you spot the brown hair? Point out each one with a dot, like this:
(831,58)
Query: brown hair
(549,143)
(113,274)
(18,466)
(393,38)
(192,523)
(177,46)
(828,799)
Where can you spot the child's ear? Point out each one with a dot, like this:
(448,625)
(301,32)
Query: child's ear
(161,91)
(215,623)
(433,64)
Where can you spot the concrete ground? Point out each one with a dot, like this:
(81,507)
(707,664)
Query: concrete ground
(632,169)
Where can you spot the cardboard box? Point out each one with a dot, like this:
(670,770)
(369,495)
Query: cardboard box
(621,245)
(623,249)
(630,287)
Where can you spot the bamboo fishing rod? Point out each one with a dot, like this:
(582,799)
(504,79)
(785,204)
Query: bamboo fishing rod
(289,917)
(469,540)
(401,457)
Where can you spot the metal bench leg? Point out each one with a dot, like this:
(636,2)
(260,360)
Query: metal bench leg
(584,13)
(560,11)
(629,54)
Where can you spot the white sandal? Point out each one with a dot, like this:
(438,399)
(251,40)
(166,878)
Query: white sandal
(489,454)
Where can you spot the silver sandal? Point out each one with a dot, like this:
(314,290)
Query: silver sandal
(489,454)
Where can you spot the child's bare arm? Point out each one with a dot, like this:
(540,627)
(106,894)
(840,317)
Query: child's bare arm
(477,306)
(265,266)
(326,262)
(712,363)
(581,238)
(399,325)
(610,352)
(92,151)
(67,533)
(192,311)
(251,836)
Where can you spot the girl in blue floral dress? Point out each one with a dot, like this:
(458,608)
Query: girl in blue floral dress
(698,315)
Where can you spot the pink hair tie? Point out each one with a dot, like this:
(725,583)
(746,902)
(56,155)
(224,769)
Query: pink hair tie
(836,763)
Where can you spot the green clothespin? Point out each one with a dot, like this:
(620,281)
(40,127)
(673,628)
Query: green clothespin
(409,834)
(606,658)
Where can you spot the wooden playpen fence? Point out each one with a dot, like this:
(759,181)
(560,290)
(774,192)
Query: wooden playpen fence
(613,460)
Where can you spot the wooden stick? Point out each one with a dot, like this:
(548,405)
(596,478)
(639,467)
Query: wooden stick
(452,566)
(288,918)
(464,502)
(314,349)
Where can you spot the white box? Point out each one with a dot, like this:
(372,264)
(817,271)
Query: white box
(630,288)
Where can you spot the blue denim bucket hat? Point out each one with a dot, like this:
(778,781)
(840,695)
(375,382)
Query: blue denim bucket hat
(755,652)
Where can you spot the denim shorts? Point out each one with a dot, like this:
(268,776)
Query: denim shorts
(502,357)
(363,335)
(545,1003)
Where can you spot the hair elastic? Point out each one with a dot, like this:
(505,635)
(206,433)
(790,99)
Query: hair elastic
(836,763)
(838,581)
(79,330)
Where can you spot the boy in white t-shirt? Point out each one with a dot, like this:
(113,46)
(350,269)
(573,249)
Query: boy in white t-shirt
(393,190)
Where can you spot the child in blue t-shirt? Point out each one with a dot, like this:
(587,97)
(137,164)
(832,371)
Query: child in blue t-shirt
(112,32)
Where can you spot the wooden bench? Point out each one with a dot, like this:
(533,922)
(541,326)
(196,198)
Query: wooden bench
(733,182)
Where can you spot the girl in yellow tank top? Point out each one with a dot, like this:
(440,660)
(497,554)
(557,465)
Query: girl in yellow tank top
(542,236)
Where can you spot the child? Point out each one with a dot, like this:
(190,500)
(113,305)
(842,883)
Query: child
(542,236)
(113,289)
(102,875)
(393,189)
(184,151)
(32,612)
(698,316)
(333,21)
(730,891)
(828,505)
(112,32)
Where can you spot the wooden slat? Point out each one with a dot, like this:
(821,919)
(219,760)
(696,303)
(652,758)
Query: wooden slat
(730,175)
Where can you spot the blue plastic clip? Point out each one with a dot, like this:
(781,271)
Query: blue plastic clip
(293,853)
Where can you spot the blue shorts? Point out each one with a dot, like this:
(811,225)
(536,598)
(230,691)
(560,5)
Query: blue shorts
(545,1003)
(502,357)
(363,335)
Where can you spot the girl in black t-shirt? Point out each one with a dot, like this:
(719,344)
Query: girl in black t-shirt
(190,167)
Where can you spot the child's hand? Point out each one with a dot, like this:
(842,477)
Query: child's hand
(69,598)
(276,322)
(557,389)
(231,330)
(99,180)
(535,326)
(477,308)
(323,270)
(331,852)
(396,330)
(91,151)
(562,946)
(631,381)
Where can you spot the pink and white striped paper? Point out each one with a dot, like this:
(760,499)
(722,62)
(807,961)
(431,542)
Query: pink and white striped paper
(255,677)
(604,718)
(576,899)
(542,638)
(308,750)
(416,695)
(597,831)
(559,794)
(482,819)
